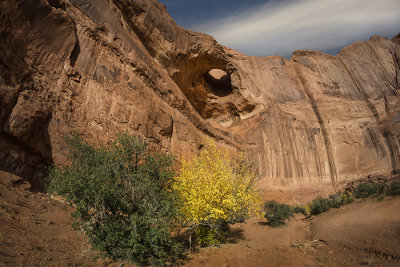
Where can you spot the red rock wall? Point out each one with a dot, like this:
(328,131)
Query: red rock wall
(104,67)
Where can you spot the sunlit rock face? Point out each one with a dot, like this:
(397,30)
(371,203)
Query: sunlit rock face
(105,67)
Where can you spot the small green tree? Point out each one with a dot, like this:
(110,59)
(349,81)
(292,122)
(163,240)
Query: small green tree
(123,198)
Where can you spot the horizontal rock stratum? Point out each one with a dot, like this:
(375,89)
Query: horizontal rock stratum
(105,67)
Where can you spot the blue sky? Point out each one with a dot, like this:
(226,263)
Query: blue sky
(278,27)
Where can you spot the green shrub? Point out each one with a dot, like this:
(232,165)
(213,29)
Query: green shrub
(277,213)
(394,189)
(337,200)
(298,209)
(123,198)
(347,198)
(320,205)
(207,235)
(365,190)
(341,199)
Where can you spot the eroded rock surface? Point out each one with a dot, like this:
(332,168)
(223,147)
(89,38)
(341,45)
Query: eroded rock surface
(104,67)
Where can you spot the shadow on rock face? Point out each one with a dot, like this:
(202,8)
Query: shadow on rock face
(219,82)
(25,147)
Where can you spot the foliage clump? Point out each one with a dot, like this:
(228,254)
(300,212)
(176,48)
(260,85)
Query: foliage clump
(123,198)
(341,199)
(215,191)
(307,210)
(299,209)
(207,235)
(277,213)
(320,205)
(365,190)
(394,189)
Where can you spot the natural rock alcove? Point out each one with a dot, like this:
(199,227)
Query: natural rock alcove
(217,102)
(220,82)
(210,93)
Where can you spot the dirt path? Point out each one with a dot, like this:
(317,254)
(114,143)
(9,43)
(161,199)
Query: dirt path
(36,231)
(365,233)
(257,244)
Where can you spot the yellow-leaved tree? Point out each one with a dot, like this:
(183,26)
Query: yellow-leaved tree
(215,191)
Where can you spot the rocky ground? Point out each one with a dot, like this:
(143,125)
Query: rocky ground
(36,231)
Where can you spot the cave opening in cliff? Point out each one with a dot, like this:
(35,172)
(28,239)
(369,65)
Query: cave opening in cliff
(211,93)
(220,82)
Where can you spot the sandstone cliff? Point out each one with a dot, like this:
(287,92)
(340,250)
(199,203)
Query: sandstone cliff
(104,67)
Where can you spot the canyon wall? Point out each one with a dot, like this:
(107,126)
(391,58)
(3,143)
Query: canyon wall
(105,67)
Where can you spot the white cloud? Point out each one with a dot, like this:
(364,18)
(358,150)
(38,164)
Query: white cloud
(284,26)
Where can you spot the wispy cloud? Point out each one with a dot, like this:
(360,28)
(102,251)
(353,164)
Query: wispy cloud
(280,27)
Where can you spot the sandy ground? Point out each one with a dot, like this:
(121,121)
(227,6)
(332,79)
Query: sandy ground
(364,233)
(36,231)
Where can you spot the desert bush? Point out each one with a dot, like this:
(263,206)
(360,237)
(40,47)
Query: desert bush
(299,209)
(341,199)
(320,205)
(215,191)
(207,235)
(277,213)
(123,198)
(307,210)
(365,190)
(347,197)
(337,200)
(394,189)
